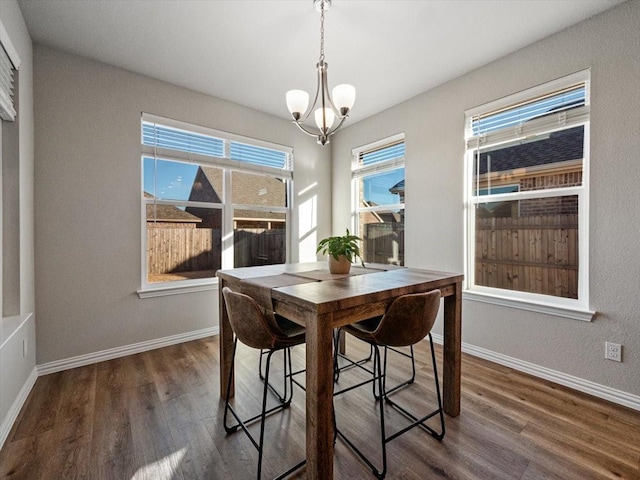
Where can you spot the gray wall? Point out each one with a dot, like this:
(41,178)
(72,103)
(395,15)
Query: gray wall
(87,202)
(433,122)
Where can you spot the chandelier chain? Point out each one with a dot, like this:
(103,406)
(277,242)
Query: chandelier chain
(329,117)
(321,31)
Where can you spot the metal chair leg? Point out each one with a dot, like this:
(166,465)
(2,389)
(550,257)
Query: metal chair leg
(379,381)
(350,363)
(377,378)
(286,396)
(420,421)
(413,369)
(259,445)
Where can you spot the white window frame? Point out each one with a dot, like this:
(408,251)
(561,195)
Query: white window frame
(228,165)
(358,171)
(564,307)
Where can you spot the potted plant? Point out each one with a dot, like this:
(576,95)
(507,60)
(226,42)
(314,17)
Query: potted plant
(342,250)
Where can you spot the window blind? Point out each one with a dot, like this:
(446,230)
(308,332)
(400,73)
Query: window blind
(389,152)
(258,155)
(7,112)
(564,108)
(165,137)
(566,99)
(172,138)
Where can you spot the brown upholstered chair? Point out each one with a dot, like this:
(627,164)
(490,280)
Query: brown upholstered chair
(253,328)
(407,321)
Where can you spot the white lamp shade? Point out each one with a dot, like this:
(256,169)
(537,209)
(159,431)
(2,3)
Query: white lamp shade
(344,96)
(297,101)
(329,118)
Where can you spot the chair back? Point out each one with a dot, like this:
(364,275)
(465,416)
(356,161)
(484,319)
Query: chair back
(408,319)
(247,320)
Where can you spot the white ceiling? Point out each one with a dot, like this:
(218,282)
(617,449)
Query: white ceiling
(252,51)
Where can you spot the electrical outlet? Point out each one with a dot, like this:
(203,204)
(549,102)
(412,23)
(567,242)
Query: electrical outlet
(613,351)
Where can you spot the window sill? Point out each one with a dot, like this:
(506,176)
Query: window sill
(177,289)
(565,311)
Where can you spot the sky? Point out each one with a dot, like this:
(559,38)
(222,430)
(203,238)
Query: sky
(175,179)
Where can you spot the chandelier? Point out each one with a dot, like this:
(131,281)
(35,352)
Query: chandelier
(329,107)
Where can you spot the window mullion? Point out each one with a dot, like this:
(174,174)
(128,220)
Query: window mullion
(381,208)
(529,194)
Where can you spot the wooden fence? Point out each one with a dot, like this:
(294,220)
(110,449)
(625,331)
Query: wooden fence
(259,246)
(174,249)
(537,254)
(384,243)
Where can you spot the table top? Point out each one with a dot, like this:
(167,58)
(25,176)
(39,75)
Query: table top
(311,285)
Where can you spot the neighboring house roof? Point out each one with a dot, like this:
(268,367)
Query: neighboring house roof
(168,213)
(559,147)
(398,187)
(207,186)
(248,189)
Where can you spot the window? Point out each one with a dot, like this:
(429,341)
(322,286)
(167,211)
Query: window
(527,195)
(212,200)
(378,200)
(9,176)
(8,65)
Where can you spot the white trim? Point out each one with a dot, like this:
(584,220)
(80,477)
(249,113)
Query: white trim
(177,287)
(17,405)
(378,167)
(601,391)
(162,153)
(10,325)
(527,195)
(110,354)
(382,208)
(549,308)
(182,203)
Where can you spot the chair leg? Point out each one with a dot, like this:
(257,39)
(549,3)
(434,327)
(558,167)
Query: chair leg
(435,374)
(350,363)
(265,390)
(377,378)
(413,369)
(226,397)
(286,396)
(259,445)
(421,421)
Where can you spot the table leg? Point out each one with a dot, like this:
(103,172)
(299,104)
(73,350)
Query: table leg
(319,378)
(226,344)
(452,351)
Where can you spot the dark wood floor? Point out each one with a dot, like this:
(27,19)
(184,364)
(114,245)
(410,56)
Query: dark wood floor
(157,415)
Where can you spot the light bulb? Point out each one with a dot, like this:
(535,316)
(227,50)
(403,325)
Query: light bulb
(297,102)
(329,118)
(344,96)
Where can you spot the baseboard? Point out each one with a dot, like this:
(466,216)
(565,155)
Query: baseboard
(16,406)
(585,386)
(109,354)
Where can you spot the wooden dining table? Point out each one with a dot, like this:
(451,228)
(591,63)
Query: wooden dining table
(308,294)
